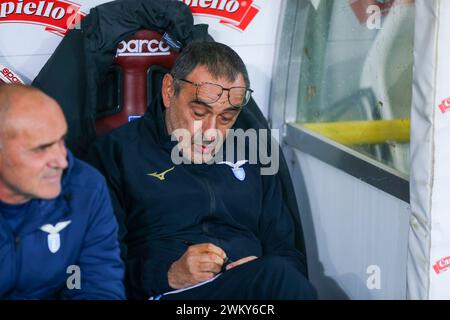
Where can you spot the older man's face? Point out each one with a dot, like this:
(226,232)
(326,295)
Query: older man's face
(212,119)
(33,155)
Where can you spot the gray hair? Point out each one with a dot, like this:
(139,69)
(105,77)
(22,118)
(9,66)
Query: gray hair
(218,58)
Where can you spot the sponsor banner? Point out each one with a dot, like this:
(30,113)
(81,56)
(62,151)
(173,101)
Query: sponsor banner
(235,13)
(142,48)
(442,265)
(58,16)
(445,105)
(9,76)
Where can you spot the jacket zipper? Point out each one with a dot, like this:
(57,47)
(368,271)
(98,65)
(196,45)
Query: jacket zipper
(212,197)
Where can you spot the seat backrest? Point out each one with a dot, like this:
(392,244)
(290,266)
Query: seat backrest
(135,58)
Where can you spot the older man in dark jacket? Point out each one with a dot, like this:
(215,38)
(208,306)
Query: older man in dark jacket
(192,227)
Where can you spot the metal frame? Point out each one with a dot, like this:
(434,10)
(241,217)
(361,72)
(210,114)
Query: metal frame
(283,111)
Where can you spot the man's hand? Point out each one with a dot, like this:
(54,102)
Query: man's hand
(240,261)
(199,263)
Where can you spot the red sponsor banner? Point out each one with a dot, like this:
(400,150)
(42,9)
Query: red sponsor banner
(8,76)
(442,265)
(445,105)
(235,13)
(58,16)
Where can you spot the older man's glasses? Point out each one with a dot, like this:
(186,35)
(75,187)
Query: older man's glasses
(211,92)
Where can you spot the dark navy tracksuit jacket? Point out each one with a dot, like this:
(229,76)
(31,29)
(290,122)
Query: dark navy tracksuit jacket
(29,270)
(193,204)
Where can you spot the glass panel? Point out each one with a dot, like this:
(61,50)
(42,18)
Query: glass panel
(356,76)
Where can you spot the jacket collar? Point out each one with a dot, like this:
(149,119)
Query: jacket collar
(155,116)
(67,173)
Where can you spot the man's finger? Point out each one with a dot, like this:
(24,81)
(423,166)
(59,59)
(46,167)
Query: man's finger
(211,258)
(240,261)
(210,248)
(209,267)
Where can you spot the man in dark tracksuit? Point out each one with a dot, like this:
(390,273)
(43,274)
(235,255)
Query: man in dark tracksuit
(58,233)
(183,224)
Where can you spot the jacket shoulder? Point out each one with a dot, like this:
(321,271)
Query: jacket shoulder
(83,175)
(129,133)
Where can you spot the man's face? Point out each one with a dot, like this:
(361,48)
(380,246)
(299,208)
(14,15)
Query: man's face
(33,155)
(207,123)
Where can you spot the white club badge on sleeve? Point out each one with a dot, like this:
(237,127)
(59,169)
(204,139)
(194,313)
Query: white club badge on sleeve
(238,172)
(53,238)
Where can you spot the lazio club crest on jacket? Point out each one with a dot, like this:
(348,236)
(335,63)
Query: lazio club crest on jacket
(238,172)
(53,238)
